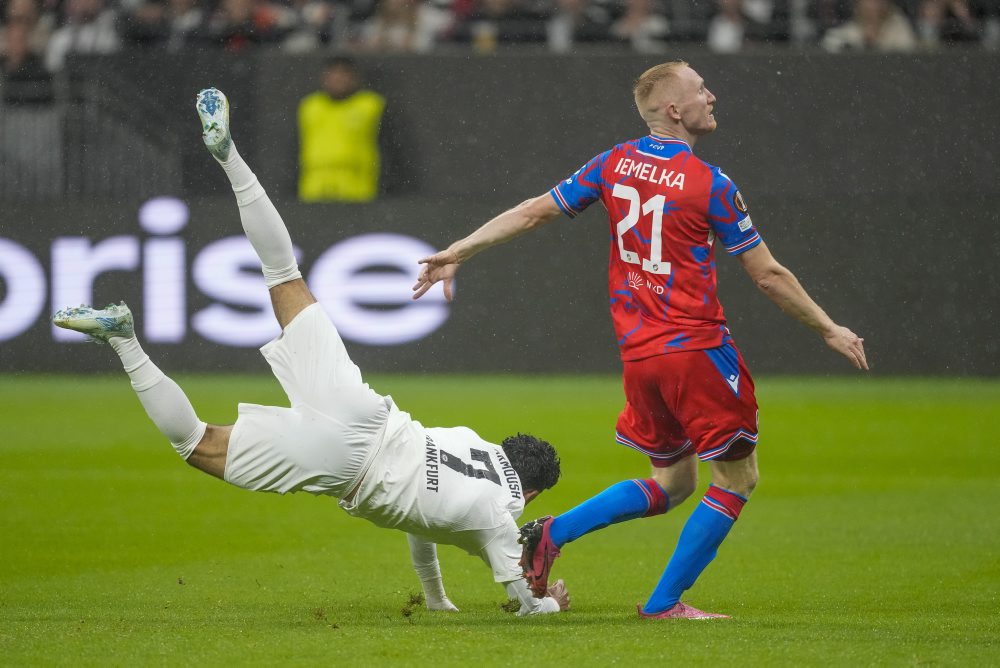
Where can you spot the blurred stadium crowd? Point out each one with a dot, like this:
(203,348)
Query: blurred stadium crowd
(36,36)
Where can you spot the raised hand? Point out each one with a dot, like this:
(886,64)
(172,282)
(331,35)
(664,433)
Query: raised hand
(438,267)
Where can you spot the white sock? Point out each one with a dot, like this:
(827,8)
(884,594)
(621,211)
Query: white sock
(262,223)
(165,402)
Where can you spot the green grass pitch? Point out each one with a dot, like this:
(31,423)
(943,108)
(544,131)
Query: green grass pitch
(873,538)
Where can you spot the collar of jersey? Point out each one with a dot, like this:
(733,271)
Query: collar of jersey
(668,140)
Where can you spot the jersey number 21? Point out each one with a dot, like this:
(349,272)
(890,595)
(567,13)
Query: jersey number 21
(654,264)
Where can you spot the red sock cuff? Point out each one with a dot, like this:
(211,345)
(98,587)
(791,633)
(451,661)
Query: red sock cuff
(658,501)
(728,503)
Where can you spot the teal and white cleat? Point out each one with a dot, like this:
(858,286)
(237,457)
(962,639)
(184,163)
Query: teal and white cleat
(99,325)
(213,110)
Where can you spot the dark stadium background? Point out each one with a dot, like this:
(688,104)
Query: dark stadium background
(874,178)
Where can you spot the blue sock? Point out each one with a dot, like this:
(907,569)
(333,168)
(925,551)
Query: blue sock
(697,546)
(625,500)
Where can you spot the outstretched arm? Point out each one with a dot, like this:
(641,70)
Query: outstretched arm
(781,287)
(425,563)
(512,223)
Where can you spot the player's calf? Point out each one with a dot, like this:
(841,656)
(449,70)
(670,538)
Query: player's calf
(164,401)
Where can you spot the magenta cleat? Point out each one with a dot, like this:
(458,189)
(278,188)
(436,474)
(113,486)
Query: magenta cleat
(680,611)
(537,554)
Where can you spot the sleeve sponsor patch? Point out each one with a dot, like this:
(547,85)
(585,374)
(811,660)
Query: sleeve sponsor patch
(745,224)
(739,202)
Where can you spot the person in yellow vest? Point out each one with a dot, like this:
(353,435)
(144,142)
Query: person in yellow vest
(339,157)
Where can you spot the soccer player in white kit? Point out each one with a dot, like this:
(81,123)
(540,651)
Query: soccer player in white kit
(340,438)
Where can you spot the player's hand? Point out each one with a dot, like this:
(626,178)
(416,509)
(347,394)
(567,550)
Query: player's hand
(558,591)
(438,267)
(848,344)
(442,605)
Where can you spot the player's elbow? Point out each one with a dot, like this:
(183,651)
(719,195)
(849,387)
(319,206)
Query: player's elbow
(764,282)
(537,211)
(770,278)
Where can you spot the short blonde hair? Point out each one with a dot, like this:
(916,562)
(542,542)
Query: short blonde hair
(644,85)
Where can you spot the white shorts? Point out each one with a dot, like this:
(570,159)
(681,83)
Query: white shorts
(325,442)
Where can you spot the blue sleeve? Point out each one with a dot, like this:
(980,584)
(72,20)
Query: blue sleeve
(579,191)
(729,217)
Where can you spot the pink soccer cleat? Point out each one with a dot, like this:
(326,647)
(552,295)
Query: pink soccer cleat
(680,611)
(537,554)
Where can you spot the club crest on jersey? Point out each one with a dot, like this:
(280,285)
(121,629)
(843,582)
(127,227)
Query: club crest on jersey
(739,202)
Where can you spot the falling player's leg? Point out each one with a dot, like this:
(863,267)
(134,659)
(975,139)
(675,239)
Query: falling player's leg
(261,221)
(279,449)
(201,445)
(269,448)
(330,367)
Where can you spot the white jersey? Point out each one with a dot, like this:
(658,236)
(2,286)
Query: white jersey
(340,438)
(448,486)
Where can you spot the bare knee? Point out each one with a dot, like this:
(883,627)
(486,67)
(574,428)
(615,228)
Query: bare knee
(740,475)
(681,491)
(678,481)
(211,452)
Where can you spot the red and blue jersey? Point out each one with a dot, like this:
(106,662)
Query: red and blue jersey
(666,209)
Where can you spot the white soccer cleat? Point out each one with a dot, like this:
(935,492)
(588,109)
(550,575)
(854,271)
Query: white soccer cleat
(99,325)
(213,110)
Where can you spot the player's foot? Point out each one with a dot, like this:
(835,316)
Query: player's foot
(680,611)
(213,110)
(99,325)
(537,554)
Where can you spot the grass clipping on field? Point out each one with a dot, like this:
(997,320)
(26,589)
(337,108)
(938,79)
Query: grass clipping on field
(511,605)
(416,600)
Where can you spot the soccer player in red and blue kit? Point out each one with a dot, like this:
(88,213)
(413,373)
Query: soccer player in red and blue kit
(687,389)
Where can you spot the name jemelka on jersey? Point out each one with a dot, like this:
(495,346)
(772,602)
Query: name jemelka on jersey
(652,173)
